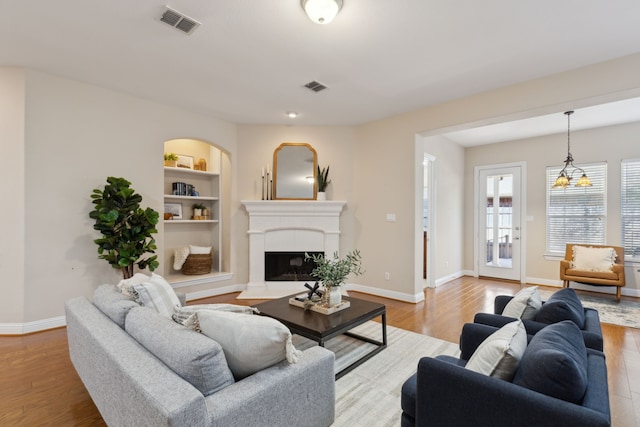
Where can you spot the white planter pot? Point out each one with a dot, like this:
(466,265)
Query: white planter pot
(321,195)
(335,296)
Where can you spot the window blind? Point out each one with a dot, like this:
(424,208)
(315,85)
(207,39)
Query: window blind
(577,214)
(630,207)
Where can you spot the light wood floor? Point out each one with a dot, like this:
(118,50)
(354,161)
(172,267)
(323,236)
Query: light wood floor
(39,387)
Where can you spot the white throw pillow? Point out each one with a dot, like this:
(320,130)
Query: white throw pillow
(158,294)
(593,259)
(250,342)
(524,305)
(498,356)
(199,250)
(126,285)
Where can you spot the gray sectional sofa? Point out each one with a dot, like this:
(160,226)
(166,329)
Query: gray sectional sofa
(132,386)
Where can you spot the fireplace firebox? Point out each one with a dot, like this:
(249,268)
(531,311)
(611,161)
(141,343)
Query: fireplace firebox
(288,266)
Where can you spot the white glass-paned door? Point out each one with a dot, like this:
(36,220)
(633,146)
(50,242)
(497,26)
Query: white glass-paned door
(499,223)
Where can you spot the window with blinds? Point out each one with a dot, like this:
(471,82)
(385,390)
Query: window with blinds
(630,208)
(577,214)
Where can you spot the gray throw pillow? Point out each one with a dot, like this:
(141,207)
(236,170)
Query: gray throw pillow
(195,357)
(113,303)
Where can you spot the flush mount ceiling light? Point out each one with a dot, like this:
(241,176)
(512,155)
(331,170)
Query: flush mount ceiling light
(321,11)
(565,177)
(292,114)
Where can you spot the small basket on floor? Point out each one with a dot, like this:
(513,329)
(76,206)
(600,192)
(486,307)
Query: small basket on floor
(197,264)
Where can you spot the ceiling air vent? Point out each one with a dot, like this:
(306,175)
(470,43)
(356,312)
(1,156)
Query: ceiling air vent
(179,21)
(315,86)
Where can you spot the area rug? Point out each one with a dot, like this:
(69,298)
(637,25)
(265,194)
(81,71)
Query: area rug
(623,313)
(370,394)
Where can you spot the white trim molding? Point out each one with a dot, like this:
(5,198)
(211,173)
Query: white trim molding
(30,327)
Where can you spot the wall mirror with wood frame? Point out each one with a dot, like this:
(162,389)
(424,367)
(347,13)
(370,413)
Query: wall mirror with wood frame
(294,171)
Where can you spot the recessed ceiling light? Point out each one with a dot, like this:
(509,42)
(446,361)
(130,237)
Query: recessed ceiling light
(292,114)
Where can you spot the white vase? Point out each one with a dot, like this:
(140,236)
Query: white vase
(335,296)
(321,195)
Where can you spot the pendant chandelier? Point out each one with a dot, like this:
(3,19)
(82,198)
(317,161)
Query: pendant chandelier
(565,177)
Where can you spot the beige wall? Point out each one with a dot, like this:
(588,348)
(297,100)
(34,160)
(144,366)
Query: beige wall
(610,144)
(387,148)
(334,146)
(12,194)
(76,136)
(448,207)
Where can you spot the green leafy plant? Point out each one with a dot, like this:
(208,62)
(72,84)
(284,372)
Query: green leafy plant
(334,271)
(198,206)
(170,156)
(127,229)
(323,178)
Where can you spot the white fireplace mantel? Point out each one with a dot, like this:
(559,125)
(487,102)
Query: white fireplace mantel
(290,226)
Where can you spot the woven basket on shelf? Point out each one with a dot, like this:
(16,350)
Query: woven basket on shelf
(197,264)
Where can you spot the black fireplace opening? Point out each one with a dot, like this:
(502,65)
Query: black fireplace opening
(288,266)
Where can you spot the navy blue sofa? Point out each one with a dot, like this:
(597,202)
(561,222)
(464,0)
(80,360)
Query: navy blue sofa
(443,393)
(587,318)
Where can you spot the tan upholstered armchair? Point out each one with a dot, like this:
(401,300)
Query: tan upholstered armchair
(615,277)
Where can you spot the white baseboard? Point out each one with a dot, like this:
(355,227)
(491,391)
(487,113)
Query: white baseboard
(400,296)
(35,326)
(450,277)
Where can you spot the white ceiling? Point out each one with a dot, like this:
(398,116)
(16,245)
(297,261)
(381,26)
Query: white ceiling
(249,60)
(613,113)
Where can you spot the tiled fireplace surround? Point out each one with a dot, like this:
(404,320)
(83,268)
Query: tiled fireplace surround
(289,226)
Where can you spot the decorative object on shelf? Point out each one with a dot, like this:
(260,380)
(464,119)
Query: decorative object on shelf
(198,209)
(332,272)
(201,165)
(321,11)
(127,229)
(197,264)
(185,162)
(170,159)
(323,182)
(193,260)
(267,184)
(174,209)
(564,178)
(179,188)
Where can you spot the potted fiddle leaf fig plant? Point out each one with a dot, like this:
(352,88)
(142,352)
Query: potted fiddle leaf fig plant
(332,273)
(323,180)
(127,229)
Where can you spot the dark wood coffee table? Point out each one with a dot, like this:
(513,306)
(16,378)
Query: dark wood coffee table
(322,327)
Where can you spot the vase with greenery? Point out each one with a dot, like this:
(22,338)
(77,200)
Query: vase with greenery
(170,159)
(332,272)
(127,229)
(323,180)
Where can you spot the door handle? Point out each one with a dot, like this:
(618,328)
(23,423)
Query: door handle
(516,238)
